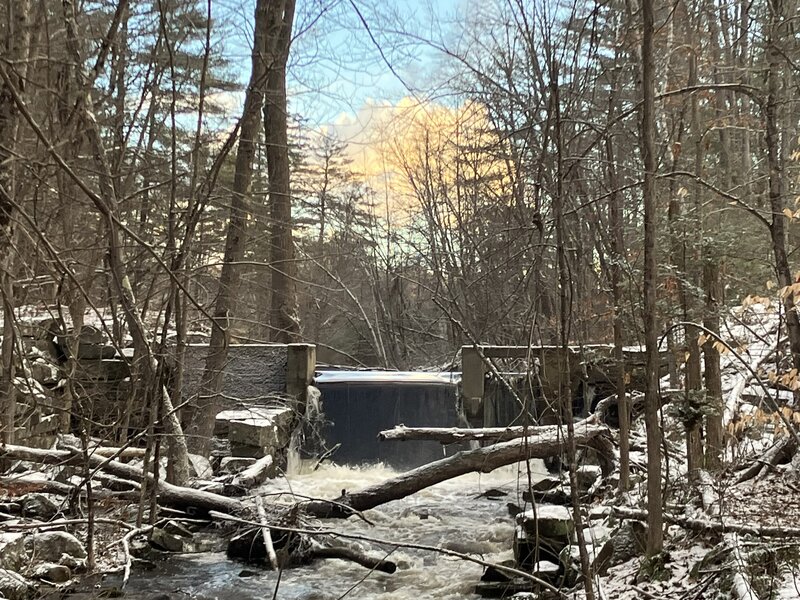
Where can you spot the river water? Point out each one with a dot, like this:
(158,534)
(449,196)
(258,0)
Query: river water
(468,514)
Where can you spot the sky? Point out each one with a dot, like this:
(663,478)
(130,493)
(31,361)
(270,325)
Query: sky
(340,71)
(352,64)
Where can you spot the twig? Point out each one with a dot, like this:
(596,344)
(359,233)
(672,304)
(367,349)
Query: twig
(325,455)
(126,549)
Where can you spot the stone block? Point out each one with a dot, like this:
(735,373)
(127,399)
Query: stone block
(39,506)
(103,370)
(252,372)
(170,541)
(201,466)
(587,475)
(45,425)
(44,372)
(542,535)
(273,430)
(599,556)
(223,419)
(254,452)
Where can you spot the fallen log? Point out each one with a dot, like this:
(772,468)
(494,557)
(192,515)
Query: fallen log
(22,484)
(193,502)
(551,442)
(741,588)
(782,451)
(297,549)
(715,526)
(454,435)
(352,554)
(255,474)
(119,453)
(607,410)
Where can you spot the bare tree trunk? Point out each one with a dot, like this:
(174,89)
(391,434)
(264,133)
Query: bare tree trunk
(776,176)
(655,536)
(693,419)
(712,264)
(616,224)
(565,313)
(16,46)
(283,307)
(201,412)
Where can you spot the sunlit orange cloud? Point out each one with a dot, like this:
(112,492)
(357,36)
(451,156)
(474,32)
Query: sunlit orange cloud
(398,148)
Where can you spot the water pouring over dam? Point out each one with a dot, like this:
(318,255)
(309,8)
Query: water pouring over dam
(357,405)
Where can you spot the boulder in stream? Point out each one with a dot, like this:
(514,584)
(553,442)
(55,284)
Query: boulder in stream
(542,534)
(52,573)
(39,506)
(12,551)
(172,537)
(54,546)
(14,586)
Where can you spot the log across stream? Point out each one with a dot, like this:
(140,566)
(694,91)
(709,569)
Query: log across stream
(468,514)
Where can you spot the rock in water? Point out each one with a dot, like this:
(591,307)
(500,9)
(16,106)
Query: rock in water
(12,551)
(172,537)
(542,535)
(50,546)
(14,586)
(38,506)
(52,573)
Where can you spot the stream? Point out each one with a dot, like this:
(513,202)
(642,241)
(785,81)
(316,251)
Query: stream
(453,515)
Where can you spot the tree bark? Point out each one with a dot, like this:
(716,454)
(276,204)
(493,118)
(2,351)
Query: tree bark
(712,263)
(775,166)
(283,304)
(615,222)
(15,48)
(690,262)
(655,536)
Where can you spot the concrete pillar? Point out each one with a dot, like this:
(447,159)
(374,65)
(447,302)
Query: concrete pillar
(472,379)
(301,362)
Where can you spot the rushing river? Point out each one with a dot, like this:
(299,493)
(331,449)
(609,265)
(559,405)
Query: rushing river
(455,515)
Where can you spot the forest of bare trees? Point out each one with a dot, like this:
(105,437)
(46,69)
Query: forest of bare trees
(561,173)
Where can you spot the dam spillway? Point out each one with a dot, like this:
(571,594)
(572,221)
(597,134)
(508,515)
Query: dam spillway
(357,405)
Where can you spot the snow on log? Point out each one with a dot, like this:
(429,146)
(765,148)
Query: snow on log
(549,442)
(255,474)
(708,525)
(192,501)
(454,435)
